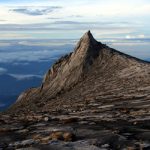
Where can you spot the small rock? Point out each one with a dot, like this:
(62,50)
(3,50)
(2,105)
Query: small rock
(63,136)
(105,146)
(45,140)
(46,119)
(83,122)
(4,130)
(130,148)
(69,120)
(57,135)
(22,131)
(68,136)
(92,123)
(22,143)
(36,137)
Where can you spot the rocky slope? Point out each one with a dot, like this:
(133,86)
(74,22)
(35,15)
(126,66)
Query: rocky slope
(95,98)
(93,72)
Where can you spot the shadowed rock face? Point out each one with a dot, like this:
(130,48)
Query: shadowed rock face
(93,72)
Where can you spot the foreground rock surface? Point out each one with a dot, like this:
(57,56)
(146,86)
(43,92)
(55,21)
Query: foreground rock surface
(95,98)
(87,133)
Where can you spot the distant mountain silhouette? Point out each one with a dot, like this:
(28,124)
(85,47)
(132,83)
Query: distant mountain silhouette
(93,72)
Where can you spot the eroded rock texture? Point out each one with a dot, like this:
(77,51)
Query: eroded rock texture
(99,93)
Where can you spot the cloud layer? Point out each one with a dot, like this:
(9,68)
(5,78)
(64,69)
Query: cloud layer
(123,18)
(43,50)
(35,11)
(3,70)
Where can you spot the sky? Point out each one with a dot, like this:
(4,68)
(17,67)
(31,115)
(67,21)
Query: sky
(66,19)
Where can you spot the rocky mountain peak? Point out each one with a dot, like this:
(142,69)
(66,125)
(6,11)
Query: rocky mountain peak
(95,94)
(92,68)
(88,37)
(74,65)
(68,70)
(87,43)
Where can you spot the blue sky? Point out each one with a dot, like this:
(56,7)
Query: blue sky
(65,19)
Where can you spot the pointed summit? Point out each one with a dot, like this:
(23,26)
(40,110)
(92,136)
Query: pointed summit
(88,38)
(88,34)
(87,45)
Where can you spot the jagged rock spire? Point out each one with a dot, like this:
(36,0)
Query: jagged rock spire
(86,44)
(66,72)
(88,38)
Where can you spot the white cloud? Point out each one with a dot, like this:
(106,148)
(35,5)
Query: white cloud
(141,36)
(35,11)
(3,44)
(12,17)
(44,43)
(3,70)
(131,44)
(90,10)
(13,36)
(134,12)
